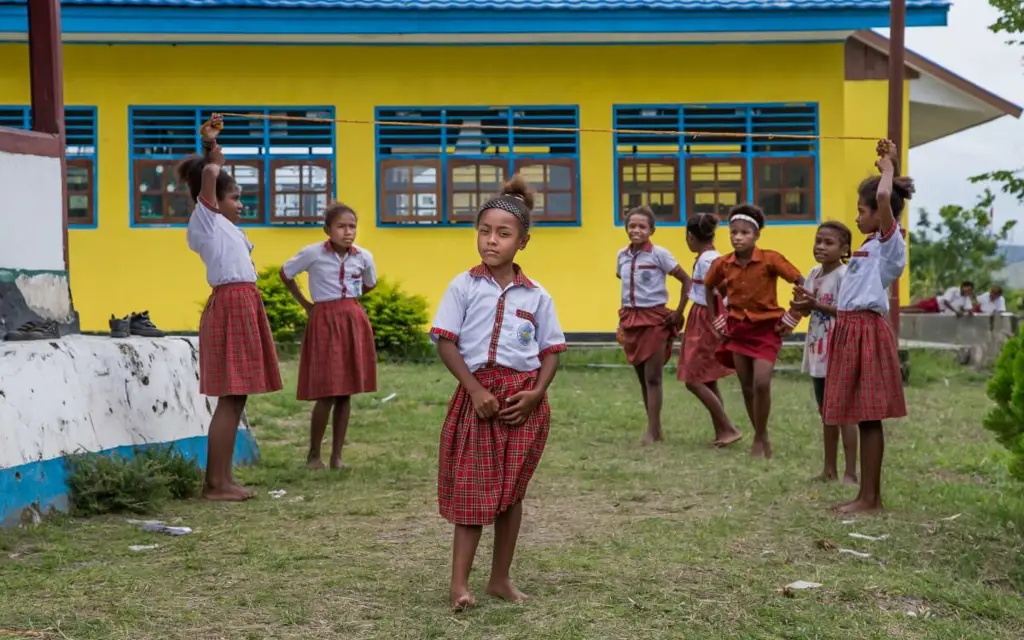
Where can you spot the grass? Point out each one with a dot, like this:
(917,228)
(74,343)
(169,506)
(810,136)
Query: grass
(619,541)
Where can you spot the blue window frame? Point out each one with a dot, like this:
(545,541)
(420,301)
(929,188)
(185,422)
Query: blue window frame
(437,165)
(726,163)
(285,168)
(80,151)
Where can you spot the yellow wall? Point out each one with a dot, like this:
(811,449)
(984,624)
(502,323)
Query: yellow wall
(116,269)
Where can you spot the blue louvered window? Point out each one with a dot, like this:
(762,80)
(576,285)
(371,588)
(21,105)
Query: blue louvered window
(80,131)
(437,165)
(726,162)
(284,167)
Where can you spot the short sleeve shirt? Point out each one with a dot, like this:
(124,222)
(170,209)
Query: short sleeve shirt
(872,269)
(750,288)
(643,275)
(333,276)
(826,290)
(223,246)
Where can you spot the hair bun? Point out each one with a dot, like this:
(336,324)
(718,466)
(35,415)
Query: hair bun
(904,186)
(517,187)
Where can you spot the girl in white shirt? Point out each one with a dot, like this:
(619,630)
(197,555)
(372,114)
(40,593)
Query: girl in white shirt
(818,300)
(646,326)
(698,366)
(338,357)
(497,332)
(237,357)
(863,383)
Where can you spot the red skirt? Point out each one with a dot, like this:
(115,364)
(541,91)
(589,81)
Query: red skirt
(863,382)
(757,340)
(643,333)
(237,356)
(931,305)
(485,466)
(338,357)
(697,361)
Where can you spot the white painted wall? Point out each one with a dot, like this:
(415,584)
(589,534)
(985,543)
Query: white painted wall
(31,213)
(87,393)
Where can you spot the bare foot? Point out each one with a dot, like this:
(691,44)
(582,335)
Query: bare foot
(732,438)
(243,491)
(460,600)
(860,506)
(506,591)
(848,479)
(650,438)
(826,476)
(839,505)
(336,463)
(226,494)
(761,449)
(315,463)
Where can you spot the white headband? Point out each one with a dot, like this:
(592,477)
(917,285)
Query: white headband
(745,218)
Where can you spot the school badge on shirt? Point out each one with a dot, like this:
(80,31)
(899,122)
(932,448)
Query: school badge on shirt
(525,333)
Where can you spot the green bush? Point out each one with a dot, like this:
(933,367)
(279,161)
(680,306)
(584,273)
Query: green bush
(398,318)
(100,483)
(1006,389)
(287,317)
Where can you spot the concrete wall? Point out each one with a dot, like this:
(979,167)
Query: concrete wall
(90,394)
(980,337)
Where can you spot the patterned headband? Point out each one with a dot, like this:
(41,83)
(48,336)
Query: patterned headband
(513,204)
(745,218)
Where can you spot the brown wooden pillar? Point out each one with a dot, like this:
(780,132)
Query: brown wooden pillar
(897,51)
(46,66)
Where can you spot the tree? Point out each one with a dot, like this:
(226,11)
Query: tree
(961,245)
(1010,21)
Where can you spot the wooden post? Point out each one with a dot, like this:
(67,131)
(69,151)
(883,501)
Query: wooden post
(46,68)
(897,49)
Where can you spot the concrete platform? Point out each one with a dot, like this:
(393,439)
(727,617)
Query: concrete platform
(92,394)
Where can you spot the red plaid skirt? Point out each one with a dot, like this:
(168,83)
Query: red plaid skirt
(863,382)
(338,357)
(643,333)
(237,356)
(757,340)
(931,305)
(697,361)
(485,466)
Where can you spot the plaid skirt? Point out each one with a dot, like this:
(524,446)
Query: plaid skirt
(237,356)
(338,357)
(643,333)
(697,361)
(485,466)
(757,340)
(863,381)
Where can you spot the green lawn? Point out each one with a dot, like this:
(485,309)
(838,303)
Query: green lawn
(619,541)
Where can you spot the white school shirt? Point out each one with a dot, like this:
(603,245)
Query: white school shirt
(643,275)
(698,292)
(223,246)
(957,300)
(826,290)
(987,306)
(331,276)
(873,267)
(511,327)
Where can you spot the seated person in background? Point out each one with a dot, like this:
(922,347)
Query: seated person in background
(955,301)
(991,302)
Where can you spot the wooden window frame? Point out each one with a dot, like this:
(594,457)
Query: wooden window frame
(624,161)
(573,165)
(811,191)
(89,164)
(466,162)
(137,196)
(274,164)
(383,165)
(690,193)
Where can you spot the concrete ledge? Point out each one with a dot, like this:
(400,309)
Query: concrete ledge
(90,394)
(966,331)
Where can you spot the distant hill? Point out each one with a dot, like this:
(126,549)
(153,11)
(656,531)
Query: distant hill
(1013,253)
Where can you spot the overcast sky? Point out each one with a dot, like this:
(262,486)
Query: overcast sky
(968,48)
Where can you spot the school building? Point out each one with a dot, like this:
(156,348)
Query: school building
(412,101)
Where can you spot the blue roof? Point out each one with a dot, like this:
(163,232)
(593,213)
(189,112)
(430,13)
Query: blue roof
(520,5)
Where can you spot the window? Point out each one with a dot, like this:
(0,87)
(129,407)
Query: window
(285,168)
(80,131)
(439,165)
(727,155)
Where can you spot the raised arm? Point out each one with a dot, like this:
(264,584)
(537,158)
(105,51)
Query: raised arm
(213,156)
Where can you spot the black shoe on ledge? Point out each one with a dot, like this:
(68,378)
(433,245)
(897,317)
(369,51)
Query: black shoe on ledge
(42,330)
(119,327)
(140,325)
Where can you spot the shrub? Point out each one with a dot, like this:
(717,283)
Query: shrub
(399,321)
(287,317)
(1006,389)
(100,483)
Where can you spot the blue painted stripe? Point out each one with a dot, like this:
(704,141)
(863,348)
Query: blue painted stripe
(44,483)
(513,5)
(78,19)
